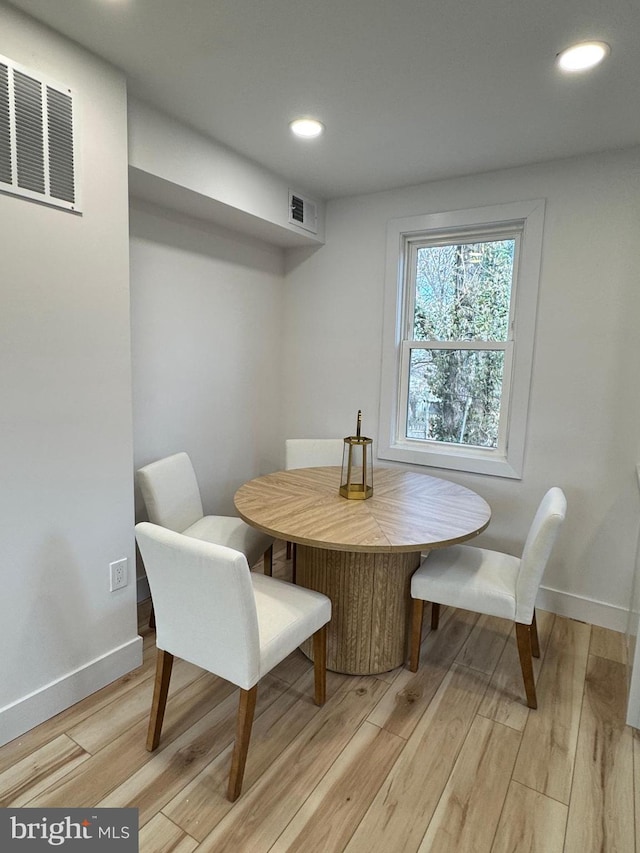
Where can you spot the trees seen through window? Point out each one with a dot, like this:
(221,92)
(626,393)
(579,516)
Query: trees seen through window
(461,303)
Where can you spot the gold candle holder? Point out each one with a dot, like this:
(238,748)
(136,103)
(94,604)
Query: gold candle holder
(356,479)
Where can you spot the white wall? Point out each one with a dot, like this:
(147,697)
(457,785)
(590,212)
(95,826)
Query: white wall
(206,328)
(66,499)
(584,418)
(633,710)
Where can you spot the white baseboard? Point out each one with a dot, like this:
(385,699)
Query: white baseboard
(44,703)
(583,609)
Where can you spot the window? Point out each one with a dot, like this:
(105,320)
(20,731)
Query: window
(460,302)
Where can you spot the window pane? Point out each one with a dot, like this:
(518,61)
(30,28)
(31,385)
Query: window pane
(463,291)
(454,396)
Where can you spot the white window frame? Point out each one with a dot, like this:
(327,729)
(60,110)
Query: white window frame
(522,220)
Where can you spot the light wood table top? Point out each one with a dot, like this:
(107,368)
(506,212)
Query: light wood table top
(407,512)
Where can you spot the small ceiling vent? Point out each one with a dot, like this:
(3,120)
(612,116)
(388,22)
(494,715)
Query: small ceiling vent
(303,212)
(37,138)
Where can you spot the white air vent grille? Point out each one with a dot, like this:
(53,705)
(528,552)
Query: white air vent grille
(5,127)
(37,139)
(303,212)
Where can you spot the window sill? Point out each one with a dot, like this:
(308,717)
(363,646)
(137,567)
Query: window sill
(471,460)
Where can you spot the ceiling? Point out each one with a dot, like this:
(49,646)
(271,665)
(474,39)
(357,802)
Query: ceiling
(409,90)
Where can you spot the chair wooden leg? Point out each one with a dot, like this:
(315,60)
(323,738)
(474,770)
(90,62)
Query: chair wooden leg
(523,635)
(417,611)
(294,555)
(164,664)
(435,616)
(268,561)
(246,709)
(535,644)
(320,665)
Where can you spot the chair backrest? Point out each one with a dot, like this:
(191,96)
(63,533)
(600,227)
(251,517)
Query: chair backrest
(313,452)
(204,603)
(537,550)
(170,491)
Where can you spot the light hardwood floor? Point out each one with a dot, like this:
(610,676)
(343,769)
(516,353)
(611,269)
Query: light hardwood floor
(447,759)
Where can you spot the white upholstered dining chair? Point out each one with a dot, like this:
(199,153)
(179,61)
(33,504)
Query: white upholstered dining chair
(492,583)
(172,499)
(212,611)
(310,453)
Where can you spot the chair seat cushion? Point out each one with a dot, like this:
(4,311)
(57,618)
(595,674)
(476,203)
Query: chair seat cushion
(232,533)
(287,616)
(468,577)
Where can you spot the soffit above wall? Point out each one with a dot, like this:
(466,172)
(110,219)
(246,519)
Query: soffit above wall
(158,191)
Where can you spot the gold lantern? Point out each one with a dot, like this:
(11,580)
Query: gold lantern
(356,480)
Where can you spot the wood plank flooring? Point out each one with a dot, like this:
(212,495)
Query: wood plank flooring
(446,759)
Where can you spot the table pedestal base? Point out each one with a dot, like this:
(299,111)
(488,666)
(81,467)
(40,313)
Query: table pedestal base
(370,600)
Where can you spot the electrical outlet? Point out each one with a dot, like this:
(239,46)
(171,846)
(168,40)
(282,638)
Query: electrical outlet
(118,574)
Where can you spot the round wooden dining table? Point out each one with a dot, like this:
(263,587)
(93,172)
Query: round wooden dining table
(362,553)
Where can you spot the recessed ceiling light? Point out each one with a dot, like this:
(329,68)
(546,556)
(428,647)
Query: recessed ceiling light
(581,57)
(306,128)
